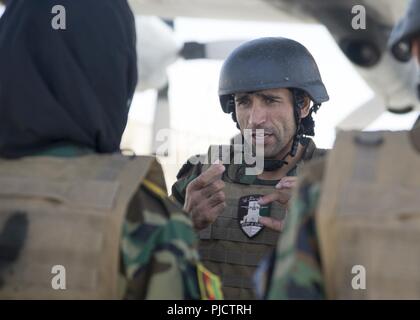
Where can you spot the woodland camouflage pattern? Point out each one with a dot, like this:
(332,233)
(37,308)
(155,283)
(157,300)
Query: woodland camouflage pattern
(158,248)
(296,267)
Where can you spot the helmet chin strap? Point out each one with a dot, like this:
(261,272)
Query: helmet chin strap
(417,86)
(275,164)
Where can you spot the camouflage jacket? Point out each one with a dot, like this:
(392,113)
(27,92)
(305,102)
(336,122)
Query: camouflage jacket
(158,246)
(294,270)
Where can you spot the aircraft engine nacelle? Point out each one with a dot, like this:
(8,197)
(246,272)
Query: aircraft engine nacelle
(364,43)
(157,49)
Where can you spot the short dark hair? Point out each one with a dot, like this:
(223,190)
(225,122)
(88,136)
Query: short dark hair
(307,123)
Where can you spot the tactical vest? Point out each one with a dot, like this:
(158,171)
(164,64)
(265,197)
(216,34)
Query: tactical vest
(368,217)
(224,246)
(65,214)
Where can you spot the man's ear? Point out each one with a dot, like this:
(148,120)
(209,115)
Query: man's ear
(304,111)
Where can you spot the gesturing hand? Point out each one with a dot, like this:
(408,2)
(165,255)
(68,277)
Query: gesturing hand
(282,194)
(205,198)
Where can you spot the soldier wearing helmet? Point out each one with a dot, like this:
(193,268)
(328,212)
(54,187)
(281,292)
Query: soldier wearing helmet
(271,87)
(353,227)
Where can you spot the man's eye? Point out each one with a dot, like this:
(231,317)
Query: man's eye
(242,102)
(269,100)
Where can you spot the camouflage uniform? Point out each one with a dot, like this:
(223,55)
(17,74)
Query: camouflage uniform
(294,270)
(153,228)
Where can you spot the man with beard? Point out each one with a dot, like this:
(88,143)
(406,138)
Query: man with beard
(353,228)
(270,86)
(79,220)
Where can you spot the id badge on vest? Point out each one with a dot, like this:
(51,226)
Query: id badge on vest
(249,212)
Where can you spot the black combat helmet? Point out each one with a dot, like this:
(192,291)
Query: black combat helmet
(269,63)
(402,34)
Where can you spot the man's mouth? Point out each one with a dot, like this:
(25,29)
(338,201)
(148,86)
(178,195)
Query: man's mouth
(259,135)
(262,137)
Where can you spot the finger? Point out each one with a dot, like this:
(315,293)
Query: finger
(199,221)
(282,196)
(268,198)
(287,183)
(205,216)
(216,210)
(289,178)
(217,198)
(210,175)
(213,188)
(207,211)
(271,223)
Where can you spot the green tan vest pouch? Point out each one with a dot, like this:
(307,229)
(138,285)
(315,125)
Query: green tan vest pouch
(368,218)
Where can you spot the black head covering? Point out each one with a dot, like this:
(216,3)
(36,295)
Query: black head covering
(65,86)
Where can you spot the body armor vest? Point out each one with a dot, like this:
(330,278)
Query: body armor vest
(226,247)
(368,217)
(65,212)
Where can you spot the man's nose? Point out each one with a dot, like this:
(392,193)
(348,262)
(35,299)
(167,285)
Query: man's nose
(258,115)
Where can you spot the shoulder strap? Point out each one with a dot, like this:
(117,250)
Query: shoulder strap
(312,152)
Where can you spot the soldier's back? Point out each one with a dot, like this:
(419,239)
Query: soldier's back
(104,221)
(356,222)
